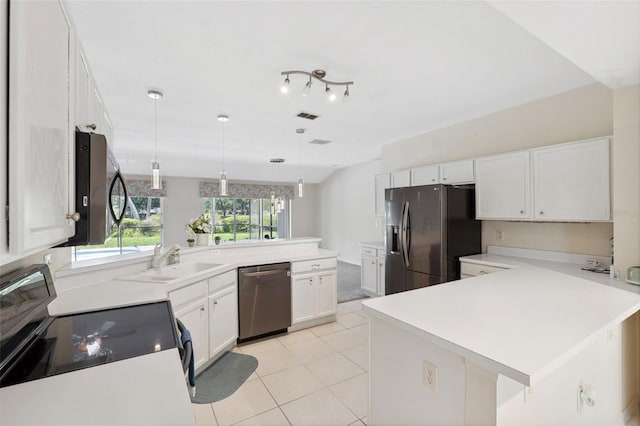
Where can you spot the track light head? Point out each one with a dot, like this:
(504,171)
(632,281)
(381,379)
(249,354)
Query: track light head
(330,95)
(307,88)
(346,92)
(285,85)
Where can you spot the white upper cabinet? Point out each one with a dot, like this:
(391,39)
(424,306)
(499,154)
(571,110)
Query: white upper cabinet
(457,172)
(401,179)
(382,182)
(83,86)
(40,131)
(503,187)
(427,175)
(571,182)
(96,112)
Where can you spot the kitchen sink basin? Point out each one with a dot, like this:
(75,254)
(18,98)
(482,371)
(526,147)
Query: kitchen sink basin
(170,273)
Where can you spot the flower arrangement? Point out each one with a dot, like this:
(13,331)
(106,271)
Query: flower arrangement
(201,224)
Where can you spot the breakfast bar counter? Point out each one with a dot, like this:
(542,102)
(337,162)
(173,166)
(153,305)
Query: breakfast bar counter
(459,352)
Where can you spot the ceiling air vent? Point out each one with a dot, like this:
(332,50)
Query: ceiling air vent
(320,141)
(307,115)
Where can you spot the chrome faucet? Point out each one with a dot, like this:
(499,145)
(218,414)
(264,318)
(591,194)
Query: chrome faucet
(158,258)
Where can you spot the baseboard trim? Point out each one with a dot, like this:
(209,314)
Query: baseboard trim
(631,409)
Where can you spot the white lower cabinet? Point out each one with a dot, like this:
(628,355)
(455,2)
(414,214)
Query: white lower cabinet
(223,312)
(468,270)
(313,290)
(372,270)
(190,306)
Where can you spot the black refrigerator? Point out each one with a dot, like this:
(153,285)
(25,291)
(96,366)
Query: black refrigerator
(427,229)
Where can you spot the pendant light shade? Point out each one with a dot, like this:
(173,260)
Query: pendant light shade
(224,187)
(300,180)
(224,184)
(155,166)
(155,175)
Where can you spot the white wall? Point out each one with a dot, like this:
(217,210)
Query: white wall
(179,207)
(346,204)
(303,213)
(626,220)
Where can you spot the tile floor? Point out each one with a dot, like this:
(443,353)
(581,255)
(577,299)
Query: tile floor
(316,376)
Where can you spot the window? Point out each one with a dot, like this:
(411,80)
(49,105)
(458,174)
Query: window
(141,230)
(236,219)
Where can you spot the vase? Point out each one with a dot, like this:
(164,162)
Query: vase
(202,239)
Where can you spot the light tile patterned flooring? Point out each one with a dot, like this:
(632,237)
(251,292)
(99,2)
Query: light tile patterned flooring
(316,376)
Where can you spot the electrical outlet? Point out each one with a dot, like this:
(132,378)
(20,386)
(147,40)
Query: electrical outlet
(46,259)
(430,375)
(499,236)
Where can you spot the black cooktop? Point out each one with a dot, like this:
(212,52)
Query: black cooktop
(78,341)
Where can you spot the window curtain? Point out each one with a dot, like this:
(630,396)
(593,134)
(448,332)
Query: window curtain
(240,190)
(143,188)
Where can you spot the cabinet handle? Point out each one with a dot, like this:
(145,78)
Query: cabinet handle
(521,211)
(444,178)
(215,302)
(541,212)
(433,180)
(73,216)
(202,308)
(483,272)
(92,126)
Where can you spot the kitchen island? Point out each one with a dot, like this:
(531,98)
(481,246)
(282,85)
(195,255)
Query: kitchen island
(512,347)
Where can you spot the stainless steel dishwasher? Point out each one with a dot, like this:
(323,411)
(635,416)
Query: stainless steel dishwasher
(264,300)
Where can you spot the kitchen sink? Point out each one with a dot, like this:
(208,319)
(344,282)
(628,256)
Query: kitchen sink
(170,273)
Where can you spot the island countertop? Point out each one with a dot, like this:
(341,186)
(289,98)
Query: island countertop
(523,323)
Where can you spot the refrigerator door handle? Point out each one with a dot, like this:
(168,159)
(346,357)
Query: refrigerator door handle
(405,242)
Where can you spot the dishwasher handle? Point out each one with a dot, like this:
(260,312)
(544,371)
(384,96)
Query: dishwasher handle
(259,274)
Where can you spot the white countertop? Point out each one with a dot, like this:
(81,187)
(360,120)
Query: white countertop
(145,390)
(373,244)
(112,292)
(523,322)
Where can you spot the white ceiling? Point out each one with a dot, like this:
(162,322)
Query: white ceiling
(417,66)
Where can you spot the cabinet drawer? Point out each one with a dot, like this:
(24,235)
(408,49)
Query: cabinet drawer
(368,251)
(223,280)
(313,265)
(185,295)
(474,269)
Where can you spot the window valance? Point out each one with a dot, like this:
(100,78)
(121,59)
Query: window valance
(241,190)
(144,188)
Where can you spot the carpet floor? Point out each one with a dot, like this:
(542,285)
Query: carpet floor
(349,287)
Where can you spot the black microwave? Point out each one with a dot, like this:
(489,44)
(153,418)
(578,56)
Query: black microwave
(101,193)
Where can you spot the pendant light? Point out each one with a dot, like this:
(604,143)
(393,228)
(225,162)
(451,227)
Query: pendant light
(224,184)
(155,166)
(300,180)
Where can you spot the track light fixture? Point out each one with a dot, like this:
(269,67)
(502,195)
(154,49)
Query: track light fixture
(320,76)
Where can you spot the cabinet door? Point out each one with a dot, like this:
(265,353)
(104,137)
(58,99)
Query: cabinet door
(503,187)
(368,275)
(302,299)
(457,172)
(326,298)
(195,318)
(382,182)
(95,110)
(401,179)
(107,129)
(40,136)
(223,319)
(571,182)
(428,175)
(83,87)
(380,281)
